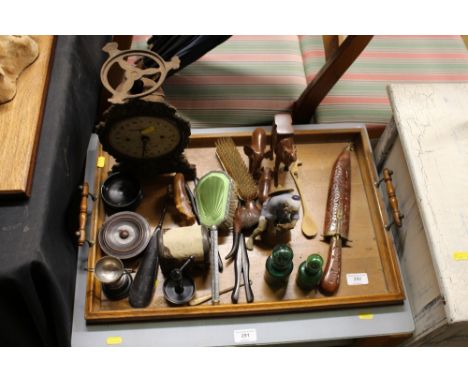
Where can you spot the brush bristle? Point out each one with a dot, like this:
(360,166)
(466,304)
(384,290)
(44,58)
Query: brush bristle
(234,165)
(231,210)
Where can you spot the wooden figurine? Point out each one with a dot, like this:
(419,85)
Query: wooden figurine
(182,200)
(256,152)
(264,184)
(282,143)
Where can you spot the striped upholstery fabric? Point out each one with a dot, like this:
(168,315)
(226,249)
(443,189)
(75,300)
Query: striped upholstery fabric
(360,95)
(248,79)
(242,82)
(139,41)
(313,55)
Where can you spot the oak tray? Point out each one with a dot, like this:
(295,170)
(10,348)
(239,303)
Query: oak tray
(370,251)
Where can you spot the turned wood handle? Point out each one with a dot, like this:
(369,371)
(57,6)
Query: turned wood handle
(81,233)
(397,216)
(332,272)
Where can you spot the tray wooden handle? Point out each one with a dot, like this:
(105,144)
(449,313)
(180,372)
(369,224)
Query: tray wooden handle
(81,232)
(332,272)
(396,214)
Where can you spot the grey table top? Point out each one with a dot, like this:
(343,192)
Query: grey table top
(290,328)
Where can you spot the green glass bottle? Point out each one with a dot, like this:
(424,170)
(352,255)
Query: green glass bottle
(279,266)
(310,272)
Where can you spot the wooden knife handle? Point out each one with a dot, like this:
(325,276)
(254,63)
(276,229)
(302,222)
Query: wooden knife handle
(332,272)
(81,233)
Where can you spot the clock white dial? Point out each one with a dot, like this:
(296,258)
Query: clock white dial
(144,137)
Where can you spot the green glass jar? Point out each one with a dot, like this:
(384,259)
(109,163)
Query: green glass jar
(310,272)
(279,266)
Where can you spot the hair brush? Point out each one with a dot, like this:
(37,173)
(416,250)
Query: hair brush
(216,201)
(247,213)
(234,165)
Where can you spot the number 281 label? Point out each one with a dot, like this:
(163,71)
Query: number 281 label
(245,336)
(357,279)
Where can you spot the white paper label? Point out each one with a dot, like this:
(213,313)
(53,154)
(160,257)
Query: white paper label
(245,336)
(357,279)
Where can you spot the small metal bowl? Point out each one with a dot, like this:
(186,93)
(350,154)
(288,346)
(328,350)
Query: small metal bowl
(121,192)
(116,281)
(109,269)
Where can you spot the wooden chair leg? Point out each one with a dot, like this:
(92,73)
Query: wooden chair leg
(124,41)
(330,45)
(327,77)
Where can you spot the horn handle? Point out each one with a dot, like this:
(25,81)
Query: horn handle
(143,286)
(141,292)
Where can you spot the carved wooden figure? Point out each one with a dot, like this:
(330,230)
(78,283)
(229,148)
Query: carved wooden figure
(264,184)
(282,144)
(182,200)
(256,152)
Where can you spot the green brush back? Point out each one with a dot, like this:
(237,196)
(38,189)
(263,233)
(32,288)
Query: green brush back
(214,194)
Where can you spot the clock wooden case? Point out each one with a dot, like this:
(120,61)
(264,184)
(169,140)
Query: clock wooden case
(140,129)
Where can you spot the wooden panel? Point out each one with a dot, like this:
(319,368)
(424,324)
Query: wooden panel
(20,123)
(370,252)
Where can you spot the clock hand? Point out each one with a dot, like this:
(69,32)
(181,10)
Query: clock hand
(146,131)
(145,137)
(144,142)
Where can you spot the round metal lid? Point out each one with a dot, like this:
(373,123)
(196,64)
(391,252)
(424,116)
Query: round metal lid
(124,235)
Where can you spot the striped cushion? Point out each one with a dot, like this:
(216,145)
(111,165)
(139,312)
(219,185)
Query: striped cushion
(139,41)
(360,95)
(313,55)
(248,79)
(242,82)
